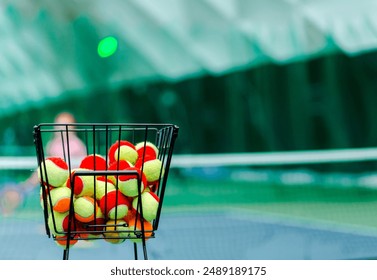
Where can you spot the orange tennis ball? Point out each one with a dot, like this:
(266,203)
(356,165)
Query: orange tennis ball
(135,228)
(114,205)
(94,162)
(86,209)
(149,202)
(60,199)
(61,240)
(53,171)
(123,150)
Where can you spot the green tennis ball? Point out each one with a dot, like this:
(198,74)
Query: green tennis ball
(115,231)
(53,171)
(150,202)
(60,199)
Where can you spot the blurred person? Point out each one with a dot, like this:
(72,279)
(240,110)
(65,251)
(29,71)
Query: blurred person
(13,195)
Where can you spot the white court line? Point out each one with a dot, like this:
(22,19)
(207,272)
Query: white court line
(235,159)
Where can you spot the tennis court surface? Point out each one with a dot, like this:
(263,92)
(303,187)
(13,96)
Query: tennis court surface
(232,213)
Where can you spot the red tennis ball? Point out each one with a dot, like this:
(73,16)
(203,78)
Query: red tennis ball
(123,150)
(117,166)
(146,149)
(130,185)
(114,205)
(149,202)
(152,168)
(53,171)
(94,162)
(83,185)
(58,223)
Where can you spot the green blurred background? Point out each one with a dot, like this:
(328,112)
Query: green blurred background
(236,76)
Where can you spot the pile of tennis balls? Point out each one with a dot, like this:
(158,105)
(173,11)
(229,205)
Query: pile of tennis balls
(105,206)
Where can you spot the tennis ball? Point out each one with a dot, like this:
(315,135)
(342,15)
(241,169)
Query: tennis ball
(150,202)
(53,171)
(136,230)
(83,185)
(93,162)
(114,205)
(58,223)
(45,190)
(131,214)
(123,150)
(129,184)
(115,231)
(102,186)
(146,149)
(153,169)
(93,228)
(86,209)
(60,199)
(61,240)
(117,166)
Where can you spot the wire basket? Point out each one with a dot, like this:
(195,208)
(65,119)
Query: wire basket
(103,181)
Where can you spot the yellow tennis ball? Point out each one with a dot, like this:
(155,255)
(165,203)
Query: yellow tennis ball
(86,209)
(149,202)
(60,199)
(115,231)
(53,171)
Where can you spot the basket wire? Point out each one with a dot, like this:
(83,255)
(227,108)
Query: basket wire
(97,138)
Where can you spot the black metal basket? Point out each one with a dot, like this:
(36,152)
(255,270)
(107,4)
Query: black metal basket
(95,199)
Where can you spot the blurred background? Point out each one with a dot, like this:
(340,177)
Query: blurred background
(275,101)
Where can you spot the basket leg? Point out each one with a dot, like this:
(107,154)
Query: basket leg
(65,254)
(144,251)
(135,251)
